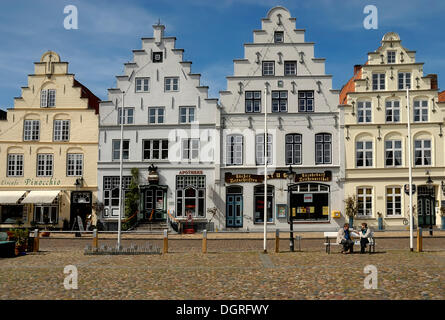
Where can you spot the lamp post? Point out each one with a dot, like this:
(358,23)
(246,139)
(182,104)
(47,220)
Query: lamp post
(429,183)
(290,177)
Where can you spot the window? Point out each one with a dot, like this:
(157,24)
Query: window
(156,115)
(404,80)
(157,57)
(393,153)
(279,101)
(420,110)
(190,196)
(364,154)
(260,149)
(74,165)
(155,149)
(391,57)
(293,148)
(142,84)
(190,149)
(422,152)
(15,165)
(290,68)
(258,194)
(46,214)
(31,130)
(44,165)
(323,148)
(111,194)
(186,114)
(234,150)
(61,130)
(378,81)
(47,98)
(268,68)
(393,111)
(394,201)
(128,115)
(278,36)
(171,84)
(306,101)
(253,101)
(117,150)
(364,201)
(364,112)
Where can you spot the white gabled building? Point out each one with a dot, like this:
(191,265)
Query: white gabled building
(170,123)
(304,131)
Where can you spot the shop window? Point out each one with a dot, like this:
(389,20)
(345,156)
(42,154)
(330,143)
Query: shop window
(190,196)
(259,203)
(309,202)
(11,214)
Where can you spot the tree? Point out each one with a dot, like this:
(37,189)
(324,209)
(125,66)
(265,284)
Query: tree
(132,200)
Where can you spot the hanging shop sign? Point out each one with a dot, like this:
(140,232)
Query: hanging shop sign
(314,176)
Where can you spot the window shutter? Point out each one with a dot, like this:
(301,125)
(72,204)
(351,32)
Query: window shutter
(43,98)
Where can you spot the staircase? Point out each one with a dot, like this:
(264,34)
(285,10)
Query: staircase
(147,226)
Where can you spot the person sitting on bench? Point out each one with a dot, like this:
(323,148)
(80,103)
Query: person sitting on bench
(365,234)
(344,238)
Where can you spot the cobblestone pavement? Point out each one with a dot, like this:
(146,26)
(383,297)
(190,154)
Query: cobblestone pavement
(223,273)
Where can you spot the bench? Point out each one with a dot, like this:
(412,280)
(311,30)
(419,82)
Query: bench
(7,248)
(333,235)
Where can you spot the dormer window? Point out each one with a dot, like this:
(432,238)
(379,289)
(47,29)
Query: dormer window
(279,37)
(391,57)
(157,57)
(48,98)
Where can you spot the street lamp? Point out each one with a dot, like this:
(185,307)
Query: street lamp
(430,186)
(291,178)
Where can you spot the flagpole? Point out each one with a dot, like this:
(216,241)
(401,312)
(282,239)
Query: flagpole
(265,170)
(410,174)
(119,221)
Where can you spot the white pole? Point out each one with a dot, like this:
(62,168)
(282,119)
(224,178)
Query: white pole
(410,165)
(265,170)
(119,222)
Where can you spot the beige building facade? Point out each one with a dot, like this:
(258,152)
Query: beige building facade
(49,150)
(376,117)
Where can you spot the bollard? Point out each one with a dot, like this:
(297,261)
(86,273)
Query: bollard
(419,240)
(204,241)
(277,241)
(165,250)
(95,239)
(36,241)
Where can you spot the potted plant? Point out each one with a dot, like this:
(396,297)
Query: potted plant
(380,220)
(442,217)
(351,209)
(20,237)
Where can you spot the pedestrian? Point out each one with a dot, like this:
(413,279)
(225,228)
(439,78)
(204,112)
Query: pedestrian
(365,234)
(344,238)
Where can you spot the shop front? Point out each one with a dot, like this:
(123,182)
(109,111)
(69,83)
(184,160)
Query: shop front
(11,209)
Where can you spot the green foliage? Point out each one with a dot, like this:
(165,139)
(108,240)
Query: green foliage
(132,200)
(351,206)
(20,236)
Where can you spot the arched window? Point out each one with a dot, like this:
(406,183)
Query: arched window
(294,148)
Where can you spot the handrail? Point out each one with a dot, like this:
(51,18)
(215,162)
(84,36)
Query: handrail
(151,214)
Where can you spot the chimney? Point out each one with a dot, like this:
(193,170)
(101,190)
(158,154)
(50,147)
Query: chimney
(357,69)
(433,78)
(158,33)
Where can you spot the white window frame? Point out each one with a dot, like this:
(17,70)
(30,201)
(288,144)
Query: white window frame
(45,165)
(169,84)
(157,114)
(423,151)
(149,145)
(259,149)
(116,144)
(190,149)
(392,111)
(234,150)
(61,131)
(294,148)
(52,209)
(252,101)
(397,152)
(74,165)
(190,117)
(142,84)
(420,107)
(306,101)
(391,56)
(364,150)
(128,116)
(404,80)
(31,130)
(268,68)
(278,37)
(393,200)
(15,165)
(368,201)
(323,148)
(364,112)
(279,101)
(290,68)
(48,98)
(378,81)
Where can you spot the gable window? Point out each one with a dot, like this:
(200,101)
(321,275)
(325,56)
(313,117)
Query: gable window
(364,154)
(171,84)
(74,165)
(15,165)
(157,57)
(393,153)
(278,37)
(234,150)
(420,110)
(190,149)
(48,98)
(155,149)
(128,115)
(305,101)
(259,147)
(44,165)
(391,57)
(31,130)
(186,114)
(394,201)
(422,152)
(404,80)
(156,115)
(293,148)
(117,149)
(378,81)
(323,148)
(364,201)
(268,68)
(364,112)
(253,101)
(142,84)
(393,111)
(279,101)
(61,130)
(290,68)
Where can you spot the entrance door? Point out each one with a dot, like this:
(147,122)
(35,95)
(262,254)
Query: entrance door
(155,204)
(426,207)
(234,210)
(80,205)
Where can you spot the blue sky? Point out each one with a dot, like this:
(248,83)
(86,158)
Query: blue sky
(211,32)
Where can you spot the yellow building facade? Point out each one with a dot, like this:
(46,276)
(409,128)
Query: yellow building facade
(49,150)
(376,132)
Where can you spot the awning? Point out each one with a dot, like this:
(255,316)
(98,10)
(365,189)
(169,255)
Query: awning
(41,197)
(10,197)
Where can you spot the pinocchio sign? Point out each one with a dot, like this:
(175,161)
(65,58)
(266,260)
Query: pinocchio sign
(257,178)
